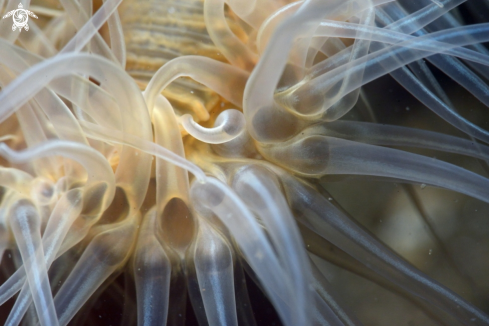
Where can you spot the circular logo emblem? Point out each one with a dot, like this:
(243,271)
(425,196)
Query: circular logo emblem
(20,17)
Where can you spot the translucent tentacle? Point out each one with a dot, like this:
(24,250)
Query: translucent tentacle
(67,209)
(214,268)
(329,222)
(259,190)
(94,163)
(228,43)
(203,70)
(25,223)
(339,156)
(221,200)
(152,270)
(228,125)
(389,135)
(108,250)
(94,131)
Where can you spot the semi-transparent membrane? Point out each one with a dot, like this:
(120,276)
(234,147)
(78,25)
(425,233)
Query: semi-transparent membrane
(256,164)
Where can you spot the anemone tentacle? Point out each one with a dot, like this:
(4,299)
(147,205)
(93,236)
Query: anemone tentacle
(245,162)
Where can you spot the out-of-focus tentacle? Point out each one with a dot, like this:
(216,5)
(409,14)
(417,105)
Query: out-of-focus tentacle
(214,268)
(152,270)
(108,250)
(25,223)
(328,221)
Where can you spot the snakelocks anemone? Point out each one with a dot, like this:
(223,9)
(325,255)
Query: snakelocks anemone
(245,162)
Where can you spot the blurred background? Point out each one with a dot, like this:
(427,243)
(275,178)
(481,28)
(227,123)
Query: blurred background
(442,233)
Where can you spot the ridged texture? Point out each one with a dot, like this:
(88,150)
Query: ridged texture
(159,31)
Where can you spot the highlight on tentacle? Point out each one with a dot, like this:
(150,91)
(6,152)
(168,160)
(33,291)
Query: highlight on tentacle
(264,162)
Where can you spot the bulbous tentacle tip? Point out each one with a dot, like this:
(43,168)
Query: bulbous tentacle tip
(296,139)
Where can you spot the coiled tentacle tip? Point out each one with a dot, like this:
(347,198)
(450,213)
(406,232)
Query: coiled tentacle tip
(263,162)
